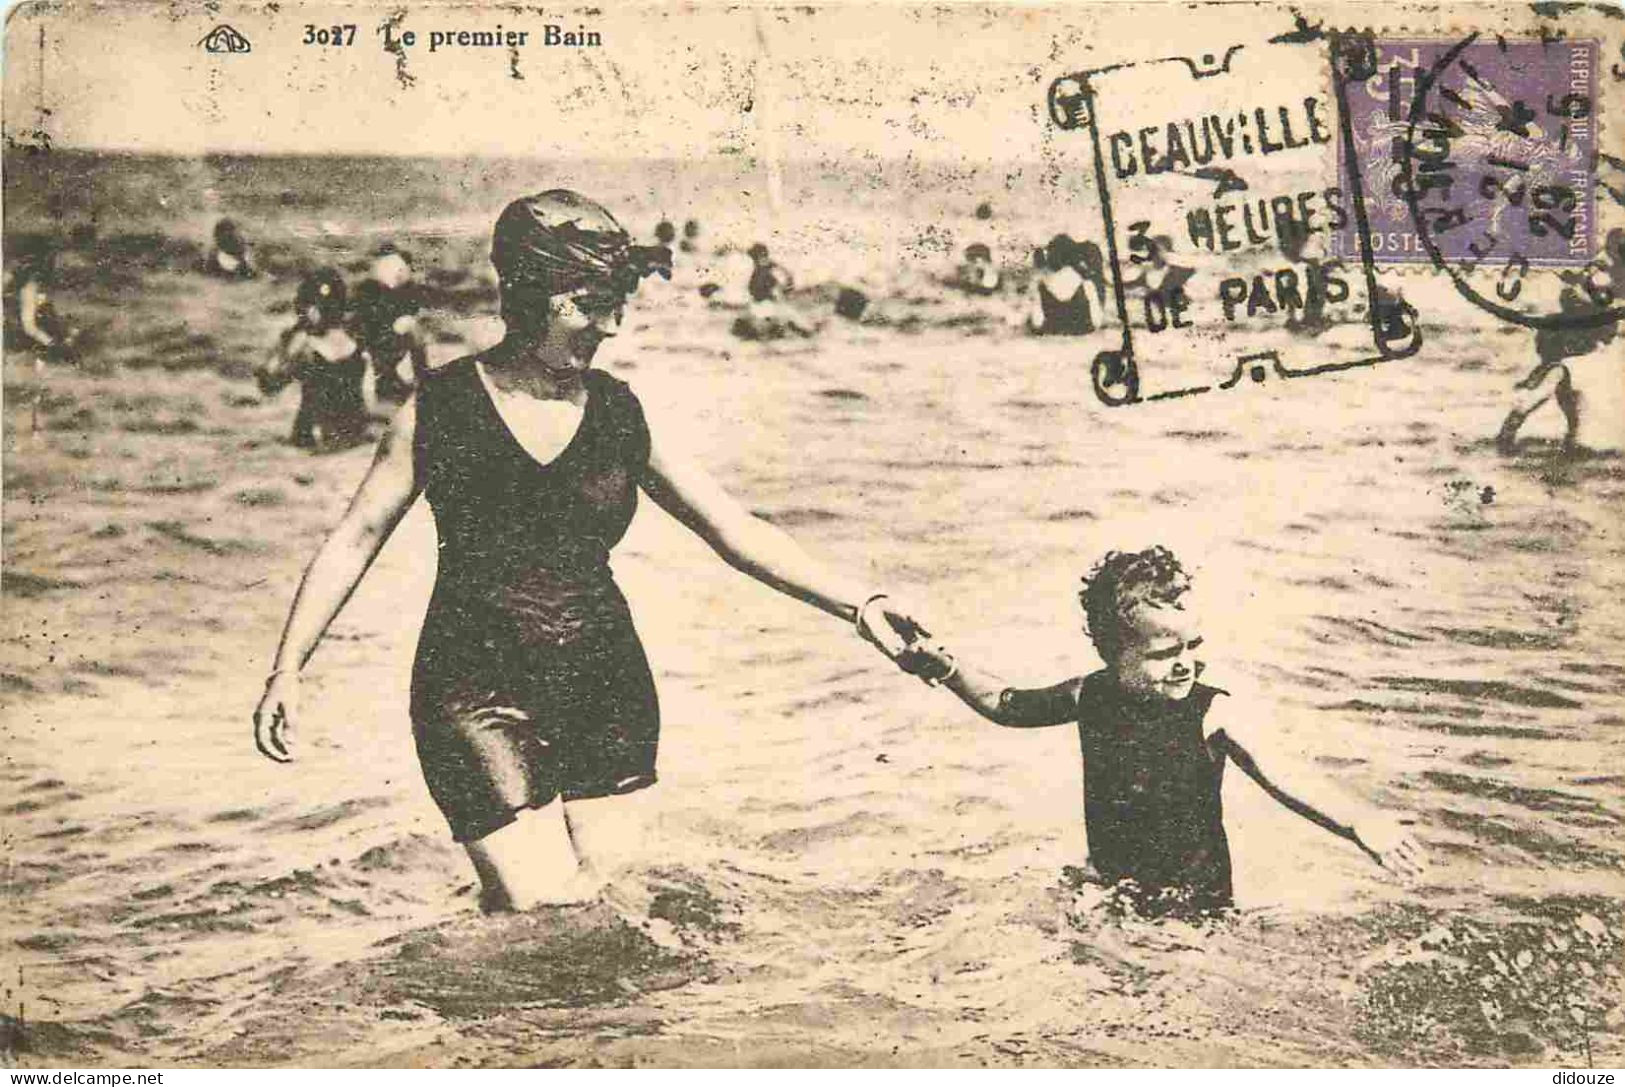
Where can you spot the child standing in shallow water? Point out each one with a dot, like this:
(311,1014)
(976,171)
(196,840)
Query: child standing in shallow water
(1155,743)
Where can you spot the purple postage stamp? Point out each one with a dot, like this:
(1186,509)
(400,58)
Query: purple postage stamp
(1518,119)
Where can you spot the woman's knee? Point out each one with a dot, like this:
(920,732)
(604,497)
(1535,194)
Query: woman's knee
(529,862)
(609,831)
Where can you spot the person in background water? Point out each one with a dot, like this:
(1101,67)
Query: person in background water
(533,704)
(38,324)
(697,270)
(1574,372)
(1294,240)
(1065,304)
(385,324)
(977,274)
(1155,741)
(770,281)
(769,316)
(228,259)
(1158,276)
(320,354)
(665,233)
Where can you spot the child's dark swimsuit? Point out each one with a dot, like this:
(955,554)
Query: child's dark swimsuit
(1553,345)
(530,682)
(1152,796)
(1151,789)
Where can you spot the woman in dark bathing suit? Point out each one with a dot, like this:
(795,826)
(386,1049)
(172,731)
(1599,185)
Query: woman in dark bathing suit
(318,353)
(533,706)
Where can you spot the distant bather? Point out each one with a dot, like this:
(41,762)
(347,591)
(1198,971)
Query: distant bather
(327,362)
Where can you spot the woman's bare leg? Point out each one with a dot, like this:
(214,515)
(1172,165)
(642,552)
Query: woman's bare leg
(609,832)
(530,862)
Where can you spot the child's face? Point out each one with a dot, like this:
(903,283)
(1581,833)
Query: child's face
(1159,653)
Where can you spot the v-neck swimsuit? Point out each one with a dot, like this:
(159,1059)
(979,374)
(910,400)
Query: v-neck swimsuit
(530,682)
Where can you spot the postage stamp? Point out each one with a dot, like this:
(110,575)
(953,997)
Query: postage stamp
(1500,166)
(1516,179)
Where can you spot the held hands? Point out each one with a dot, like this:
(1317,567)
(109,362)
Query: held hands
(275,715)
(896,633)
(1389,842)
(887,626)
(930,661)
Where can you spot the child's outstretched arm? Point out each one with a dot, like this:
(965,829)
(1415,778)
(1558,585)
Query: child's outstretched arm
(1307,792)
(990,696)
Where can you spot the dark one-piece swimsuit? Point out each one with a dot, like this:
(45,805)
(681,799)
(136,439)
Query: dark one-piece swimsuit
(330,399)
(530,682)
(1152,804)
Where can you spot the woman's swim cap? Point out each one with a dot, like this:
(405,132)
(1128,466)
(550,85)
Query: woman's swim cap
(559,241)
(1062,251)
(323,288)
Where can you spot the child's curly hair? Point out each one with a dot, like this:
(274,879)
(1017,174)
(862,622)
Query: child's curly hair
(1125,580)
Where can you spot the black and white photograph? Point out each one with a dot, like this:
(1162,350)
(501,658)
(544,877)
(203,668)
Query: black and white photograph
(839,535)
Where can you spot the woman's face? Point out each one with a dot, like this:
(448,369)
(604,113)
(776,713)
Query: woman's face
(574,324)
(586,319)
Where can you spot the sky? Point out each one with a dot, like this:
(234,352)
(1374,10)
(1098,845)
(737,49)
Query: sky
(839,78)
(669,81)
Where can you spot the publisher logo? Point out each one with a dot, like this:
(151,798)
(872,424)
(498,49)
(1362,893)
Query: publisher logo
(223,39)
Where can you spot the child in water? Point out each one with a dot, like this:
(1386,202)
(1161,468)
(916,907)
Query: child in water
(1155,742)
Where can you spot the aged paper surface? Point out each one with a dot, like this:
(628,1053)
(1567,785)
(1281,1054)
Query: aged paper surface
(1322,299)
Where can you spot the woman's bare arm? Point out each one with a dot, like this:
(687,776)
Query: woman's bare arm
(385,494)
(751,545)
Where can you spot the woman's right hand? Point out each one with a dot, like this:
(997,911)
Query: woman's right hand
(889,626)
(274,717)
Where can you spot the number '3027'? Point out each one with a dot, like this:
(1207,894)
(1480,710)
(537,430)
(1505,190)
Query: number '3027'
(330,35)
